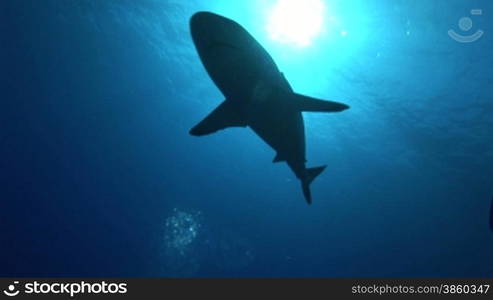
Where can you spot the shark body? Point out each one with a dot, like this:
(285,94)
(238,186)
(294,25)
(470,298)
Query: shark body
(257,95)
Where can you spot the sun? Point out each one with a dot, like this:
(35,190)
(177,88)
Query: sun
(296,22)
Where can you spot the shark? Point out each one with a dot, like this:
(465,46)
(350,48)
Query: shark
(257,94)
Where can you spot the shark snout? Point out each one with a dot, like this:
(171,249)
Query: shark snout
(204,27)
(197,25)
(207,27)
(198,19)
(202,20)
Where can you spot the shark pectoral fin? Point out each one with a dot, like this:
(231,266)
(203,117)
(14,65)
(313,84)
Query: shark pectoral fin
(309,104)
(225,115)
(278,158)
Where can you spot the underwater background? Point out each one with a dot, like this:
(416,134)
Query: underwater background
(99,176)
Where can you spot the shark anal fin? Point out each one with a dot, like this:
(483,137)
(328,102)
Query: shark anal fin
(309,104)
(224,116)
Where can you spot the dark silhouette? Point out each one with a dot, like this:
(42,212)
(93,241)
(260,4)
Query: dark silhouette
(257,93)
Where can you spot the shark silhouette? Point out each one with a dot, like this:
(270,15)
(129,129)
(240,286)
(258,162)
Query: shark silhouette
(257,93)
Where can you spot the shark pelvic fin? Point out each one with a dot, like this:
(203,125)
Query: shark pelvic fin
(311,174)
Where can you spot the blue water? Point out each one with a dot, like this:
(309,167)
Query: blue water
(99,176)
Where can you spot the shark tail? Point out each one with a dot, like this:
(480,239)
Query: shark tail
(311,174)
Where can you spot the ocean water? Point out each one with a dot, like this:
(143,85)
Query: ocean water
(99,176)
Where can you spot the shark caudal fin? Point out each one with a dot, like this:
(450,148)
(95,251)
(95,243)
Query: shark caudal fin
(309,104)
(311,174)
